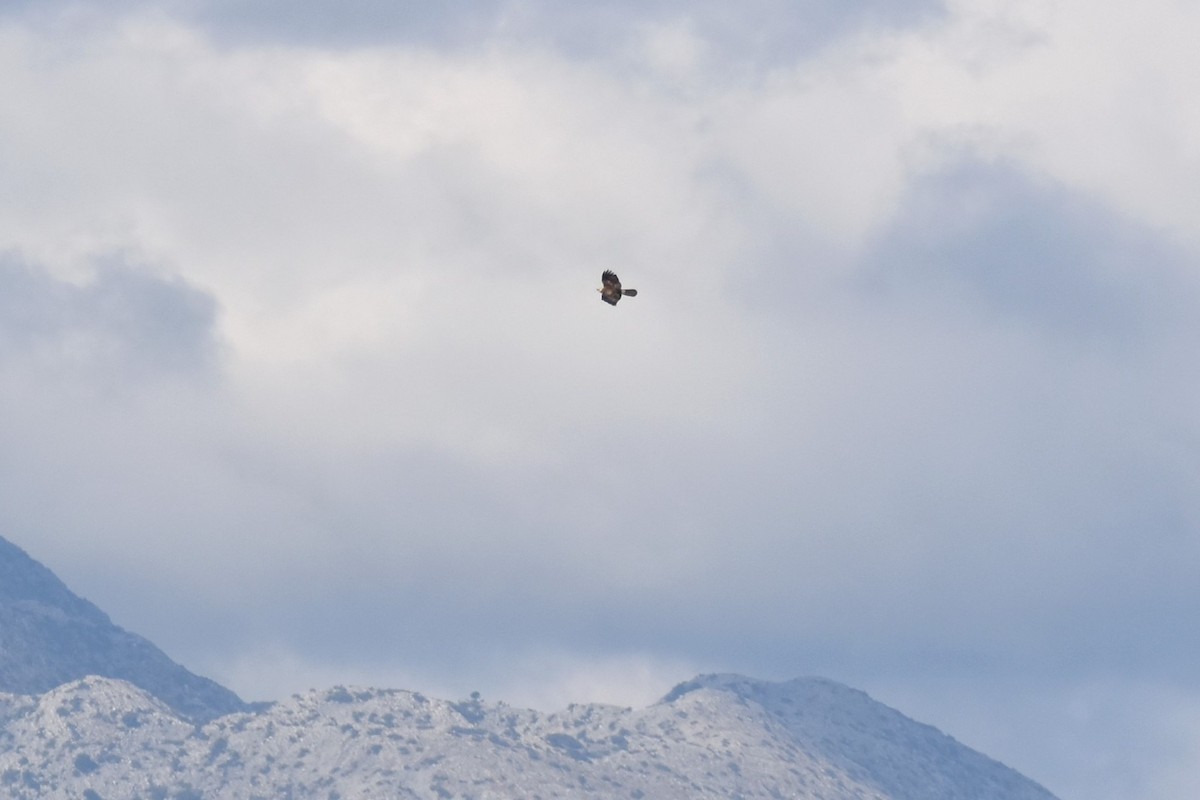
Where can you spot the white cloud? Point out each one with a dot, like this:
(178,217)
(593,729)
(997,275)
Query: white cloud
(1095,100)
(542,679)
(549,681)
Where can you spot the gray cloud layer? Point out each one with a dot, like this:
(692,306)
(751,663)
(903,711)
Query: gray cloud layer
(120,323)
(770,29)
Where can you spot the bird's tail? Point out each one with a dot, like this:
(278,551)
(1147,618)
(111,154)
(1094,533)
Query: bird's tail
(629,292)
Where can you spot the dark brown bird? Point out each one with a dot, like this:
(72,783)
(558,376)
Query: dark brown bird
(611,292)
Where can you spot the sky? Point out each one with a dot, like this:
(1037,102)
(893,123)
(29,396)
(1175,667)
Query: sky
(304,376)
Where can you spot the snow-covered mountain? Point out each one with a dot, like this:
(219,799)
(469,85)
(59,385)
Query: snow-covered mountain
(159,733)
(714,737)
(49,636)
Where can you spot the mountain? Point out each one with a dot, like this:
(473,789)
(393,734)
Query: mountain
(713,737)
(50,636)
(151,729)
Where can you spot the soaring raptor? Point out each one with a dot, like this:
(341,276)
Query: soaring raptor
(611,291)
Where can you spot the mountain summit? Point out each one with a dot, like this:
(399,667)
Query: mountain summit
(50,636)
(834,730)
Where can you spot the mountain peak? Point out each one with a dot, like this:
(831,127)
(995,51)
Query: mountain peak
(892,754)
(50,636)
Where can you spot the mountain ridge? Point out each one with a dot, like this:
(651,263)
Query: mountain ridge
(50,636)
(110,738)
(126,722)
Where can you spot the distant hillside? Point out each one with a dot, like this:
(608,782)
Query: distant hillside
(150,729)
(715,737)
(49,636)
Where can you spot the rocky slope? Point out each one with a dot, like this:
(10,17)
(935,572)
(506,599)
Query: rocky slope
(49,636)
(714,737)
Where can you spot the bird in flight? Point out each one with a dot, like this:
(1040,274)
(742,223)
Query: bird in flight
(611,291)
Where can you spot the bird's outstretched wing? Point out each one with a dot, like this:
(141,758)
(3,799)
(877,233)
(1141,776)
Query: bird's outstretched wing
(611,291)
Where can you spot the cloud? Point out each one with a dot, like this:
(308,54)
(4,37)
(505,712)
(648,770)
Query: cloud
(122,323)
(1034,253)
(1041,82)
(546,679)
(770,29)
(93,372)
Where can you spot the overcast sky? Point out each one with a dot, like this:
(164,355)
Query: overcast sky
(303,373)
